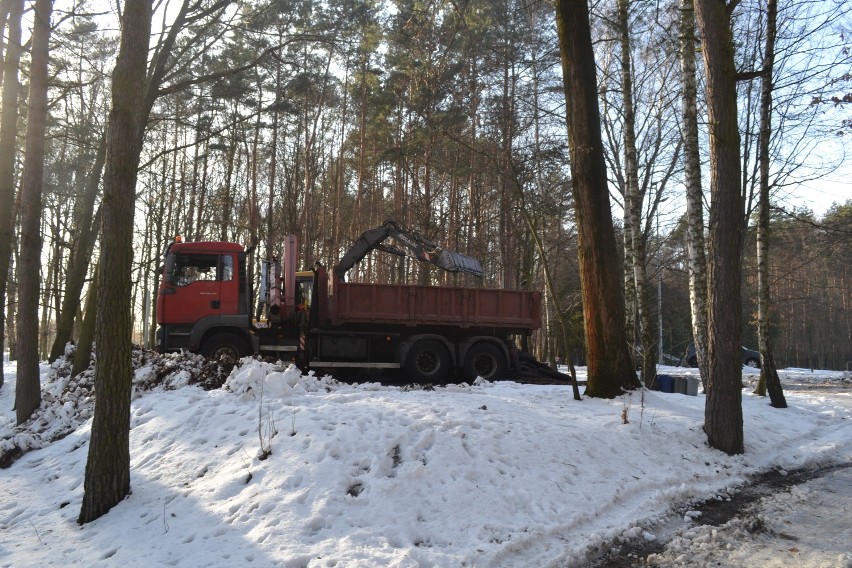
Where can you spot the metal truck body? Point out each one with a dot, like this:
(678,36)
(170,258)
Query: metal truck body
(319,321)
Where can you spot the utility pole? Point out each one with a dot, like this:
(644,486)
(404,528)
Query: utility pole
(146,316)
(659,287)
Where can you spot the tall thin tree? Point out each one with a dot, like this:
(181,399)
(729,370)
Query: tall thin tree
(8,135)
(135,89)
(723,413)
(697,259)
(83,355)
(28,387)
(768,371)
(107,478)
(610,366)
(81,252)
(634,195)
(5,7)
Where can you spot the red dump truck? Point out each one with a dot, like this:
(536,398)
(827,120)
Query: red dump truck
(320,321)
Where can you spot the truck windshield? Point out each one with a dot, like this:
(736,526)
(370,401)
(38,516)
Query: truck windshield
(189,268)
(304,287)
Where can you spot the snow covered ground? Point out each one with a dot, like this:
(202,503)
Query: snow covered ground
(491,474)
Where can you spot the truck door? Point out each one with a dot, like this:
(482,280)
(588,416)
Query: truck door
(230,286)
(195,290)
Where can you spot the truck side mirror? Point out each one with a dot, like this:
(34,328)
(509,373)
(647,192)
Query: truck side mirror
(168,269)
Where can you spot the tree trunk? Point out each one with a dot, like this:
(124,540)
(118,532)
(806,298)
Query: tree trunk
(697,260)
(564,324)
(723,416)
(768,372)
(8,135)
(78,263)
(273,154)
(610,366)
(226,193)
(28,388)
(5,8)
(83,356)
(107,478)
(12,306)
(49,282)
(633,198)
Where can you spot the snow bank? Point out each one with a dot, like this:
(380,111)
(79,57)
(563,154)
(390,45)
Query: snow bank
(284,469)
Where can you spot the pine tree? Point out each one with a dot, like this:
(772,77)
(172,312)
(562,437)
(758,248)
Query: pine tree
(107,479)
(28,387)
(723,415)
(610,367)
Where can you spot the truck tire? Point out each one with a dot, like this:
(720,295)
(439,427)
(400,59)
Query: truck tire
(228,345)
(485,360)
(428,361)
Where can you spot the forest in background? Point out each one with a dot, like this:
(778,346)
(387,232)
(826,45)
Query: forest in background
(322,120)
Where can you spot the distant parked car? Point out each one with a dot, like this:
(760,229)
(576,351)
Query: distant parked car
(751,358)
(639,357)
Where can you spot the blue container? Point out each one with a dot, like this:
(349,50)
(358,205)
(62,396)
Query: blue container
(665,383)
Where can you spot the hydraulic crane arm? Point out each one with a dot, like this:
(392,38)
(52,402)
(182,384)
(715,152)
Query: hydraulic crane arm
(418,247)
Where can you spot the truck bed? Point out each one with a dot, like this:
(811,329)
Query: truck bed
(515,311)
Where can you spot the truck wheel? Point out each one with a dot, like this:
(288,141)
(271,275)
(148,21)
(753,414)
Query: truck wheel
(428,361)
(484,360)
(228,345)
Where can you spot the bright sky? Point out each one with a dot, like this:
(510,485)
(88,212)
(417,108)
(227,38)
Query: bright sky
(819,195)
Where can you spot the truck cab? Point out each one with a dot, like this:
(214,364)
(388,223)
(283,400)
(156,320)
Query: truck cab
(204,299)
